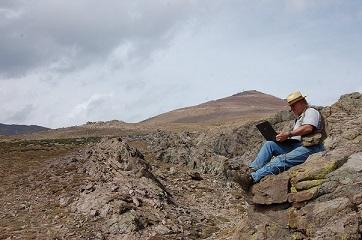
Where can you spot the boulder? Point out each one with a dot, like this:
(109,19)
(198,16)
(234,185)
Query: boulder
(272,189)
(335,213)
(304,185)
(354,163)
(304,180)
(121,224)
(302,196)
(334,219)
(316,167)
(263,226)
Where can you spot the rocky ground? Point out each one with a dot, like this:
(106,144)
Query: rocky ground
(164,185)
(79,196)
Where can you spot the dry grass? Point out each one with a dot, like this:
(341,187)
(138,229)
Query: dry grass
(23,155)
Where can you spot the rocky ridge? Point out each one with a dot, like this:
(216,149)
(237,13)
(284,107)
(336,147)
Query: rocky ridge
(316,200)
(166,185)
(322,197)
(129,201)
(13,129)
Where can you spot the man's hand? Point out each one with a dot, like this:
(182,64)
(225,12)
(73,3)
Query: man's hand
(282,136)
(300,131)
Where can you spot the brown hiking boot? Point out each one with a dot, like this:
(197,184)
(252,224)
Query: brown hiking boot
(244,180)
(250,170)
(246,169)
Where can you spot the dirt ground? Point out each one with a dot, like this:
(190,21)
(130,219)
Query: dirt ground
(32,181)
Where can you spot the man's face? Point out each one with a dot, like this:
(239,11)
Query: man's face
(297,108)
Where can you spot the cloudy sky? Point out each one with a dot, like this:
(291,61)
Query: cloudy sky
(64,63)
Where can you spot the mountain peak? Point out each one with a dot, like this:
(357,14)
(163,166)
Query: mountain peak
(248,92)
(245,105)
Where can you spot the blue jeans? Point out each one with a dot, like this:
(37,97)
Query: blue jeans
(286,156)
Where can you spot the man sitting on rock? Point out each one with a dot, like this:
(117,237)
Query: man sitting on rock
(288,154)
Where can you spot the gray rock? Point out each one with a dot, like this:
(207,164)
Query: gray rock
(354,163)
(123,224)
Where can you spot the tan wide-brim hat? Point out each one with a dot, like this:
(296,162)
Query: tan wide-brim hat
(295,97)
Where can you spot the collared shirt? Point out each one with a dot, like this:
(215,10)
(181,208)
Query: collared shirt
(310,116)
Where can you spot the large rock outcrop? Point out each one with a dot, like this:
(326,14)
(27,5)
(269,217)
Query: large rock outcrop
(325,191)
(344,128)
(320,199)
(121,189)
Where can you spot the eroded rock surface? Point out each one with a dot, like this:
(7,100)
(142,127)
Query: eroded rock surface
(299,194)
(129,201)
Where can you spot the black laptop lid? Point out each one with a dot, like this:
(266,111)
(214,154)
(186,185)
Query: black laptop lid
(267,130)
(270,134)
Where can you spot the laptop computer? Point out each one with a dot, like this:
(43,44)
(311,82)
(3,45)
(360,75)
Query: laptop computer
(267,130)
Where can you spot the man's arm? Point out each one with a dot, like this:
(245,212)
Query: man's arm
(300,131)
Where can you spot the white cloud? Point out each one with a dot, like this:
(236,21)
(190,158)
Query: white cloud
(83,31)
(129,60)
(85,110)
(9,13)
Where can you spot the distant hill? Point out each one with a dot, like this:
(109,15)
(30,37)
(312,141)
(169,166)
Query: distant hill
(14,129)
(246,105)
(237,109)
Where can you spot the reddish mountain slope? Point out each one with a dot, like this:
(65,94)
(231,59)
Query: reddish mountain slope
(242,106)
